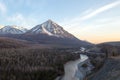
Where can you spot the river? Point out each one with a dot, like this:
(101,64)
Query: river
(73,69)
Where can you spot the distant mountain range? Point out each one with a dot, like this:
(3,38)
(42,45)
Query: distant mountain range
(48,32)
(12,30)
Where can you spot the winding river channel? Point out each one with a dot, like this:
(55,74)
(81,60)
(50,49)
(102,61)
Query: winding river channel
(73,69)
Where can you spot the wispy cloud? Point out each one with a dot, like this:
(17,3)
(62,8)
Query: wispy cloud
(77,21)
(21,20)
(3,8)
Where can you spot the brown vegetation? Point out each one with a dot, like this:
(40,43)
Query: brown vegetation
(12,43)
(33,64)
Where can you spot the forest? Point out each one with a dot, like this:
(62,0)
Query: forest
(33,63)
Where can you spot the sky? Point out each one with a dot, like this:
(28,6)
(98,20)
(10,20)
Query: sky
(95,21)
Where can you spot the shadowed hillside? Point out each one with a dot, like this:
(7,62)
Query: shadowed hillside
(12,43)
(110,70)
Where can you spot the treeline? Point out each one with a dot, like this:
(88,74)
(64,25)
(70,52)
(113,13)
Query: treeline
(110,50)
(33,64)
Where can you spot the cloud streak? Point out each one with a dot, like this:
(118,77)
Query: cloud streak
(100,10)
(3,8)
(76,21)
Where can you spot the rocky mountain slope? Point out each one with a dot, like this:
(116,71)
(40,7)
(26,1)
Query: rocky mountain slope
(50,28)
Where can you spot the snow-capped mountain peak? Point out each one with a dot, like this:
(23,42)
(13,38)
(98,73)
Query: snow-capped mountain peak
(12,30)
(50,28)
(20,28)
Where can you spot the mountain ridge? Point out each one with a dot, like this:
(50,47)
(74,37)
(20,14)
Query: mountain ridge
(49,32)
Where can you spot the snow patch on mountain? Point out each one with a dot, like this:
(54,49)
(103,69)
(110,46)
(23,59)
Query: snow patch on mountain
(46,31)
(20,28)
